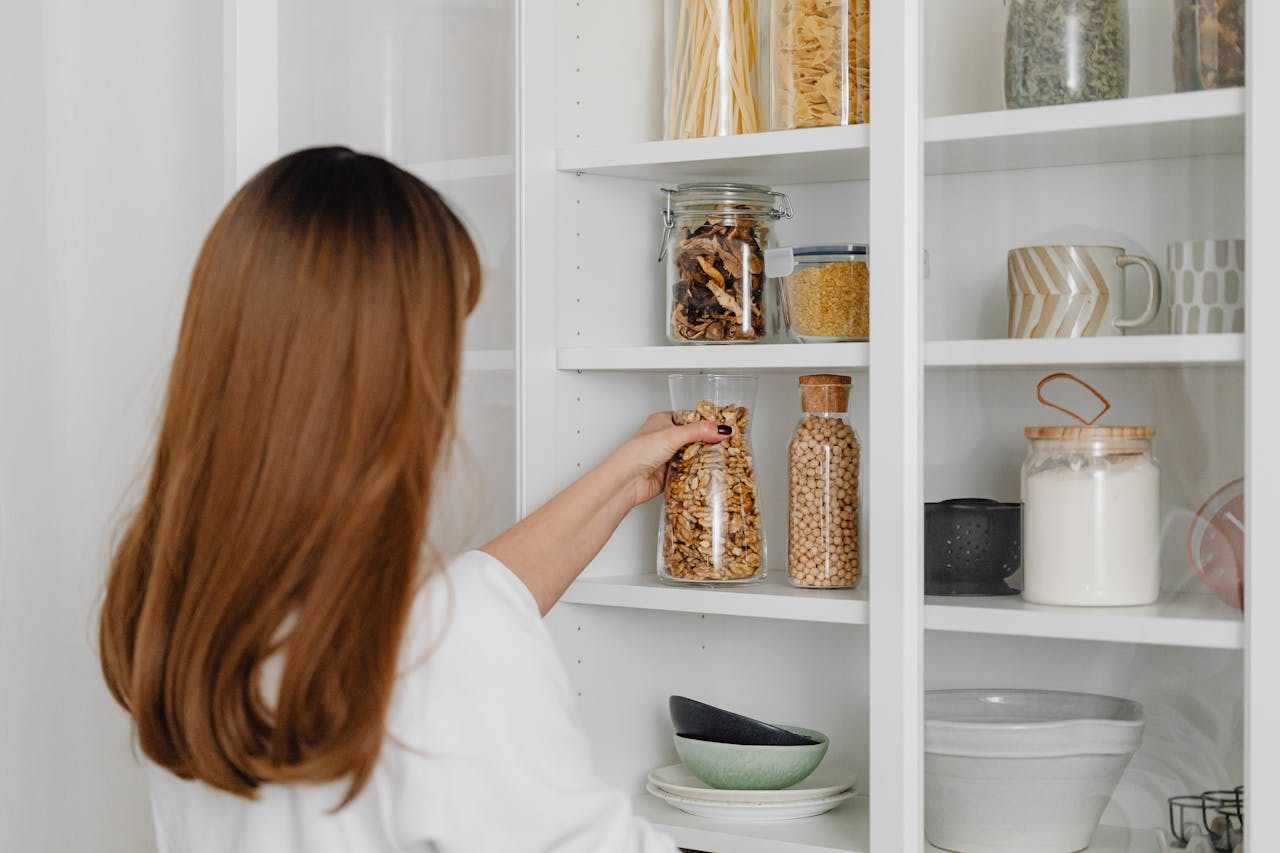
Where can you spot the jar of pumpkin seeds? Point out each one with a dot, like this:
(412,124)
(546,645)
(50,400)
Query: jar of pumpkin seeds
(1065,52)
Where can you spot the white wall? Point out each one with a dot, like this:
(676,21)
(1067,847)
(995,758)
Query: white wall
(112,142)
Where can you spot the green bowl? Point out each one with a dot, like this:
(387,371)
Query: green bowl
(746,767)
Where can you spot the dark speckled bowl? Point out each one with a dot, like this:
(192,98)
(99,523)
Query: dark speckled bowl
(970,546)
(700,721)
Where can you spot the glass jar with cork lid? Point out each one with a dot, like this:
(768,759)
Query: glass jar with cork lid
(824,464)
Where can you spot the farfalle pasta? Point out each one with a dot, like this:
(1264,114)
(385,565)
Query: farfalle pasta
(821,51)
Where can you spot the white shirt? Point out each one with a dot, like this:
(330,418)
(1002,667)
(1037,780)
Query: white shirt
(484,752)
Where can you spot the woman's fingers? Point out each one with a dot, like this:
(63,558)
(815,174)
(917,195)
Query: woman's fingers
(653,423)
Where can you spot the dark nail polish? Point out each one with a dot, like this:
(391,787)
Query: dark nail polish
(724,429)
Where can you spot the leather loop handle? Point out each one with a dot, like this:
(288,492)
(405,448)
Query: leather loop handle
(1106,404)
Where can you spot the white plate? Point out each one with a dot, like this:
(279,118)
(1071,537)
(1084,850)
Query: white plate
(680,781)
(750,811)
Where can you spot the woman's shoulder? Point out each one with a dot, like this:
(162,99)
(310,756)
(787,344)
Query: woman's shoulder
(472,591)
(471,614)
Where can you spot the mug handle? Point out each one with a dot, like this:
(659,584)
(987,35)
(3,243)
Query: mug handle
(1153,300)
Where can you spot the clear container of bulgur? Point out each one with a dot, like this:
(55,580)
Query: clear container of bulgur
(826,291)
(824,464)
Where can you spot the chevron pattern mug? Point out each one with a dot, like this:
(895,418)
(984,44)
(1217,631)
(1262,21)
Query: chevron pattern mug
(1074,291)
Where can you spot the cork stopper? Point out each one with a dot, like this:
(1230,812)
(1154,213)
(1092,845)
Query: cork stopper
(824,392)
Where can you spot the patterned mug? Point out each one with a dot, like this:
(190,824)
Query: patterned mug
(1206,286)
(1074,291)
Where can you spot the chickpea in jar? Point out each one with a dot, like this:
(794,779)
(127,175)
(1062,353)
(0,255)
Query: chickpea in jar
(825,463)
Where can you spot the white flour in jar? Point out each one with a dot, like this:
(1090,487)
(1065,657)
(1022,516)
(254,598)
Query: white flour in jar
(1091,536)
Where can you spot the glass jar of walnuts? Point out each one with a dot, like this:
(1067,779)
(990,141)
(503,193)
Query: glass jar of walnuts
(711,531)
(824,464)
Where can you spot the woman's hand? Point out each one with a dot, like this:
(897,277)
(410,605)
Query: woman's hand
(551,547)
(647,454)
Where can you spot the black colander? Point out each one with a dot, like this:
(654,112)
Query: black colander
(970,546)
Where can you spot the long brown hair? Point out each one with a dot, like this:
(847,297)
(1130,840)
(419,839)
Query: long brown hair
(310,399)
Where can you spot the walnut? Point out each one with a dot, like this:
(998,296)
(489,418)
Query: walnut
(711,518)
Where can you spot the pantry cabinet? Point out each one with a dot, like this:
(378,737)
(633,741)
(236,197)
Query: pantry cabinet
(542,123)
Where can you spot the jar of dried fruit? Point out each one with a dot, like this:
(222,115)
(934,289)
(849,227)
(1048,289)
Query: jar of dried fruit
(713,248)
(826,291)
(820,53)
(1208,44)
(1065,52)
(711,531)
(825,460)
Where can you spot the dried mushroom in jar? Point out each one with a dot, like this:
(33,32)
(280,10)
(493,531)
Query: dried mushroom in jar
(1208,44)
(718,292)
(711,523)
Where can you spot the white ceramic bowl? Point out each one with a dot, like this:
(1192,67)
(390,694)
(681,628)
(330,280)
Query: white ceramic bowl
(1022,771)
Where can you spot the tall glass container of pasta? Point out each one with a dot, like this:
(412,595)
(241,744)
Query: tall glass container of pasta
(714,82)
(820,62)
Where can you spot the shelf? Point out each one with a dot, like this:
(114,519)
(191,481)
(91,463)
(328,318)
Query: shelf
(1177,619)
(811,155)
(774,598)
(844,829)
(1107,839)
(1147,128)
(463,168)
(1133,351)
(711,357)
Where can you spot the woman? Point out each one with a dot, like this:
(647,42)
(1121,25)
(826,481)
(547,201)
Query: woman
(303,673)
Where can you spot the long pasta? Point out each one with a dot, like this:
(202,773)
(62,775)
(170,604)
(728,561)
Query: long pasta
(713,80)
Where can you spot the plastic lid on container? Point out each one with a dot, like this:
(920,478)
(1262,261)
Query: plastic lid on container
(842,249)
(782,262)
(1090,433)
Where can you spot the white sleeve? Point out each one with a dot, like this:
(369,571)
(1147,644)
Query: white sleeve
(493,756)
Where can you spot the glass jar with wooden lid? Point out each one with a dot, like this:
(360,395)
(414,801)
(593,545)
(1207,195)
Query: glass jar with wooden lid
(1091,514)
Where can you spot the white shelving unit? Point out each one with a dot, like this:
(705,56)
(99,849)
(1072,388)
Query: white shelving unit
(842,830)
(1154,127)
(1135,351)
(577,351)
(772,599)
